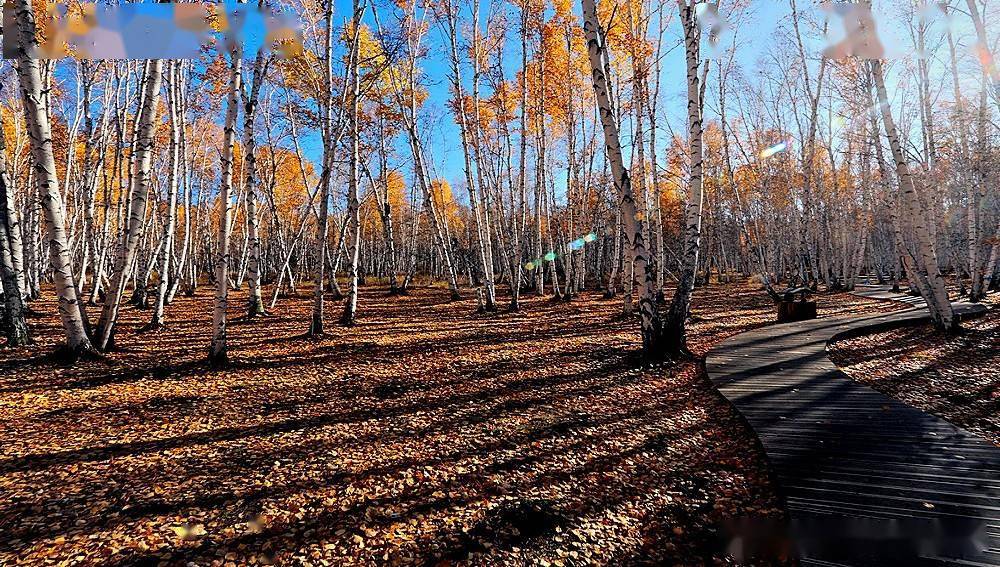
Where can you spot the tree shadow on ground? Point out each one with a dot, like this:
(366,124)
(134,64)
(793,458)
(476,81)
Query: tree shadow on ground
(505,440)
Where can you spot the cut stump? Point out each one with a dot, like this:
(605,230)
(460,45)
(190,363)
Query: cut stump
(789,311)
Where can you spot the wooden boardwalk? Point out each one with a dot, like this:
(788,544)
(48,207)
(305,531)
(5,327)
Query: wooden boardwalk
(867,479)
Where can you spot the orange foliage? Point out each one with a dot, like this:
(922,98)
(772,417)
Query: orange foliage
(445,201)
(290,191)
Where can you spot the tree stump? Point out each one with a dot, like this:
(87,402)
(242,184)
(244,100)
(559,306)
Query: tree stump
(789,311)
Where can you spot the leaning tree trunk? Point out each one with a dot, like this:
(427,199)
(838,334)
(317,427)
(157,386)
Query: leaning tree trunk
(652,332)
(142,161)
(217,353)
(407,102)
(904,259)
(927,265)
(674,331)
(437,230)
(40,135)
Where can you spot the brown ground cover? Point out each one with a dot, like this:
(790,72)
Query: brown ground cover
(426,434)
(956,377)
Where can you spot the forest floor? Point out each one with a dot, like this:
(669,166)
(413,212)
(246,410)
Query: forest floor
(426,434)
(955,377)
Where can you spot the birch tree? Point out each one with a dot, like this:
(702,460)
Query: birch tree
(449,18)
(169,224)
(218,354)
(405,89)
(353,206)
(15,327)
(47,183)
(680,305)
(142,160)
(981,270)
(251,98)
(928,271)
(634,231)
(316,325)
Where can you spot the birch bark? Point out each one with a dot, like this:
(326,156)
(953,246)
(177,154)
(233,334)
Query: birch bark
(255,305)
(353,206)
(14,325)
(169,224)
(218,354)
(927,265)
(680,305)
(635,234)
(482,262)
(316,325)
(139,188)
(40,135)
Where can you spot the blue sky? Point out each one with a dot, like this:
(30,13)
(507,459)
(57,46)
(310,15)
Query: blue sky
(755,37)
(445,147)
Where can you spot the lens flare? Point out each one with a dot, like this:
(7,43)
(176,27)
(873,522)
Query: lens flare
(775,149)
(985,57)
(574,245)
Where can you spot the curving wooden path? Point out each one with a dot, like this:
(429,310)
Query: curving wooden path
(867,479)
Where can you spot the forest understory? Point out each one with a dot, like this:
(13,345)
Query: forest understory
(457,149)
(428,434)
(956,376)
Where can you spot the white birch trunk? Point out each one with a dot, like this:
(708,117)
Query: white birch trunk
(680,305)
(172,182)
(316,325)
(481,236)
(353,206)
(217,353)
(255,305)
(40,134)
(635,233)
(15,328)
(141,162)
(927,266)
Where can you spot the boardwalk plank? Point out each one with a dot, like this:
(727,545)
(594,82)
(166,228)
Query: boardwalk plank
(857,468)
